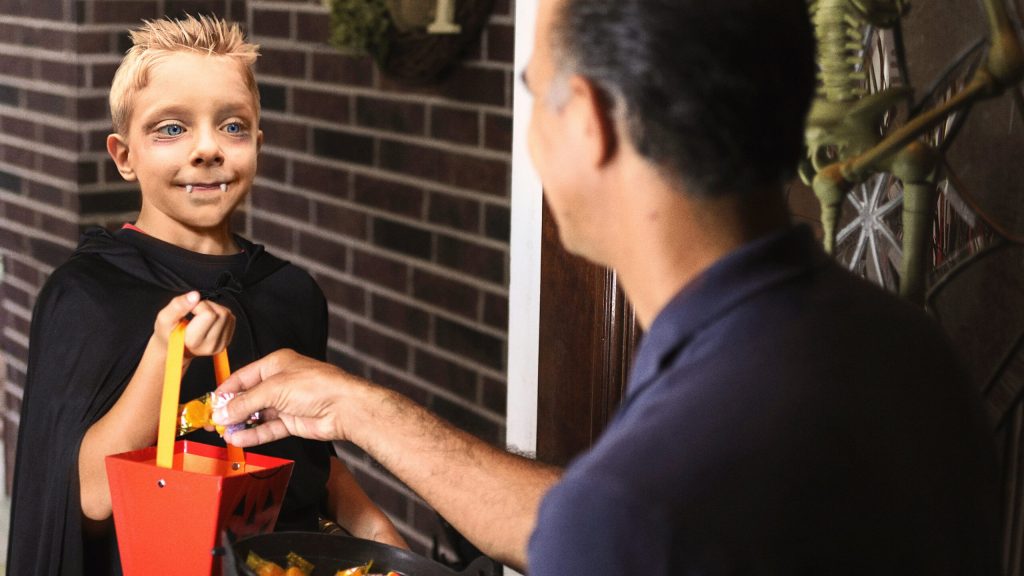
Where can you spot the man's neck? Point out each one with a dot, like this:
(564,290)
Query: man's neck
(668,238)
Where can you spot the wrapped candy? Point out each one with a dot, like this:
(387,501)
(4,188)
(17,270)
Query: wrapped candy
(198,413)
(297,566)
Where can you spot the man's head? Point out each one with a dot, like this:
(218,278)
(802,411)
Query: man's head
(157,39)
(713,93)
(186,115)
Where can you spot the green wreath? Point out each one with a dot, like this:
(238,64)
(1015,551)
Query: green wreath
(361,26)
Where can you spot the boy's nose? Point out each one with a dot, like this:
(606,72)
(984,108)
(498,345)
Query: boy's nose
(207,150)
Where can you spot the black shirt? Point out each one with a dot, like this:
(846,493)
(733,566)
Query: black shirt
(783,418)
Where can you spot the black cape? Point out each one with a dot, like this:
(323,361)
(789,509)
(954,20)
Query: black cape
(91,323)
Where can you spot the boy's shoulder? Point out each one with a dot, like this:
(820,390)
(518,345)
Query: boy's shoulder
(268,263)
(91,259)
(83,270)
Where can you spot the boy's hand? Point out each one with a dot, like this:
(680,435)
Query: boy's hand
(208,332)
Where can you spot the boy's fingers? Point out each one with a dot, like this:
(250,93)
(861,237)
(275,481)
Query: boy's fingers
(227,331)
(210,329)
(176,309)
(179,306)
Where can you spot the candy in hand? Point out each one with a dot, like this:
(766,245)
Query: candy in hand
(198,413)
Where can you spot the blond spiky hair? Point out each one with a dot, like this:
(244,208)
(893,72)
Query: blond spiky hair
(155,39)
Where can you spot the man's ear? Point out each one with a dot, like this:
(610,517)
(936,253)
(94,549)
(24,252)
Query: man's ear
(593,110)
(117,147)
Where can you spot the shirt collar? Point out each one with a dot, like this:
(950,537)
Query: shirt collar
(748,270)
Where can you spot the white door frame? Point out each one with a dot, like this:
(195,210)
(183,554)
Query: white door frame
(524,255)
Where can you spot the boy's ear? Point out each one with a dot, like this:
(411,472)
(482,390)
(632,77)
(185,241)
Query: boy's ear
(259,140)
(117,147)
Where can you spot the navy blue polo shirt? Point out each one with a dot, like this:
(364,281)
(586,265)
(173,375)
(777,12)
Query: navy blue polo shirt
(782,417)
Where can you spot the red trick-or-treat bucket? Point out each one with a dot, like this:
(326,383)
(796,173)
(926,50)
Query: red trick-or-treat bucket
(168,520)
(172,501)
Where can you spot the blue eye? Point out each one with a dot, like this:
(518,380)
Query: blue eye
(171,130)
(233,128)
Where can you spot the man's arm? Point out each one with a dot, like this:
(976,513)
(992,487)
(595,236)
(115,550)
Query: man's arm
(488,494)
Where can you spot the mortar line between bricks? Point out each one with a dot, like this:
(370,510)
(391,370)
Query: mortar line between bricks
(435,349)
(396,177)
(49,150)
(470,237)
(378,290)
(495,287)
(55,121)
(428,386)
(30,232)
(383,476)
(53,88)
(25,287)
(393,98)
(402,137)
(412,341)
(370,91)
(14,362)
(36,205)
(500,289)
(40,148)
(25,259)
(257,5)
(334,274)
(18,366)
(70,57)
(346,314)
(44,23)
(13,416)
(287,7)
(16,337)
(291,45)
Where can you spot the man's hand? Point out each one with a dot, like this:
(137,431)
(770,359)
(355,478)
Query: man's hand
(297,396)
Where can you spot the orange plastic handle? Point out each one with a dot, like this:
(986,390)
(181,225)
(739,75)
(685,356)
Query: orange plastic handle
(172,390)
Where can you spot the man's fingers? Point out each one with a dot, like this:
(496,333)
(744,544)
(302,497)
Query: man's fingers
(252,374)
(244,378)
(266,432)
(240,408)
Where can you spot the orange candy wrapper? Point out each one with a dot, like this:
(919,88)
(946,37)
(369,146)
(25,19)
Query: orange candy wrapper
(198,413)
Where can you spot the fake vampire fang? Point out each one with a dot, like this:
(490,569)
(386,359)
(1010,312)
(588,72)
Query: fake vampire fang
(223,187)
(188,188)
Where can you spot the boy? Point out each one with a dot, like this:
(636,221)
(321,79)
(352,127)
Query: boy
(185,112)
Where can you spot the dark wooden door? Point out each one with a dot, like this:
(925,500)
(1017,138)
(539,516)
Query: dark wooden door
(588,332)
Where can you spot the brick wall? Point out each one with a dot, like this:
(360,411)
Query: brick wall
(396,198)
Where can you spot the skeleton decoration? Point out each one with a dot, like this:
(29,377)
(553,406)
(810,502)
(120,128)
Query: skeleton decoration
(849,143)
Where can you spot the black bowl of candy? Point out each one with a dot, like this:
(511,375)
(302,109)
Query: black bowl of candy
(317,554)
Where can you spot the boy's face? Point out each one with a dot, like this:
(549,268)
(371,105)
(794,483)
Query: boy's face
(192,143)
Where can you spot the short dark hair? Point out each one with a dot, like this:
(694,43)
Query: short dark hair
(714,91)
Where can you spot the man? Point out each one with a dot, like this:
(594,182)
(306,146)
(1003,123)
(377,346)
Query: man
(783,417)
